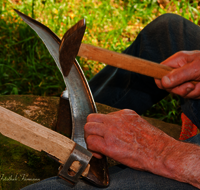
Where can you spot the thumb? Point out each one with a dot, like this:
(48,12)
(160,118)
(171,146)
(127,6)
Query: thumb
(179,76)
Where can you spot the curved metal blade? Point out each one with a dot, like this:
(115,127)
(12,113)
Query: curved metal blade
(81,107)
(81,99)
(50,39)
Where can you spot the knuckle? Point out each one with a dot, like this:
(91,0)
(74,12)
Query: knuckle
(128,112)
(195,94)
(90,117)
(86,127)
(182,54)
(89,141)
(197,51)
(181,92)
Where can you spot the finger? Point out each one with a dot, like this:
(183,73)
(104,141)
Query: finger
(186,72)
(94,128)
(181,58)
(96,117)
(158,83)
(177,60)
(179,76)
(194,94)
(182,90)
(96,144)
(113,113)
(117,112)
(128,112)
(123,112)
(96,155)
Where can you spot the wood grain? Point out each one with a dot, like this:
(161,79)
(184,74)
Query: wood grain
(37,136)
(124,61)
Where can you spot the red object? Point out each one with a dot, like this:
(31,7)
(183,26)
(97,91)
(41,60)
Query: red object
(188,128)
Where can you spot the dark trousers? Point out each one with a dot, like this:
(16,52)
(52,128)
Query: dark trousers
(159,40)
(121,178)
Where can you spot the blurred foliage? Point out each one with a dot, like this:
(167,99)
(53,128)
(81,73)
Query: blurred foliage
(168,110)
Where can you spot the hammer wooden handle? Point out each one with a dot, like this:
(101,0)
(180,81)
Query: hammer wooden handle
(124,61)
(37,137)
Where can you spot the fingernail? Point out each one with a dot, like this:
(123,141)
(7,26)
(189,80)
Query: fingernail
(189,89)
(166,80)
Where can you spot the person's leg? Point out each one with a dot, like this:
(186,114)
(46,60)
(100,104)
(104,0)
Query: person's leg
(160,39)
(121,177)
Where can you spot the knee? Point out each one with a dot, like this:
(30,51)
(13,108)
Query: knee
(163,24)
(169,19)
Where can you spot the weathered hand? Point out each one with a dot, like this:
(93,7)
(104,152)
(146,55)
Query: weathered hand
(127,138)
(187,68)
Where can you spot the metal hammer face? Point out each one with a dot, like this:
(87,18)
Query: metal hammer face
(70,45)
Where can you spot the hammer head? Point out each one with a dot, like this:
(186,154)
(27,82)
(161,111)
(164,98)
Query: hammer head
(70,45)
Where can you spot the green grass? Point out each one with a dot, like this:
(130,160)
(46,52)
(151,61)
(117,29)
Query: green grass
(21,166)
(26,67)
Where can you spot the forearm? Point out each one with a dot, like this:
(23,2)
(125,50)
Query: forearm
(169,158)
(182,163)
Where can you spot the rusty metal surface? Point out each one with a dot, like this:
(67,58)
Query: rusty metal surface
(80,98)
(64,121)
(70,45)
(81,155)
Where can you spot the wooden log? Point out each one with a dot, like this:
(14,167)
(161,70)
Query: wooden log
(37,137)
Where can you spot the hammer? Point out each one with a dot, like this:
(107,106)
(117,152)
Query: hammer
(71,47)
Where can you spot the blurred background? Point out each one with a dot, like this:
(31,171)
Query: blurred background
(27,68)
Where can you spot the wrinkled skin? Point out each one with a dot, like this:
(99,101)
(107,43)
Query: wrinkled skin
(186,66)
(123,135)
(129,139)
